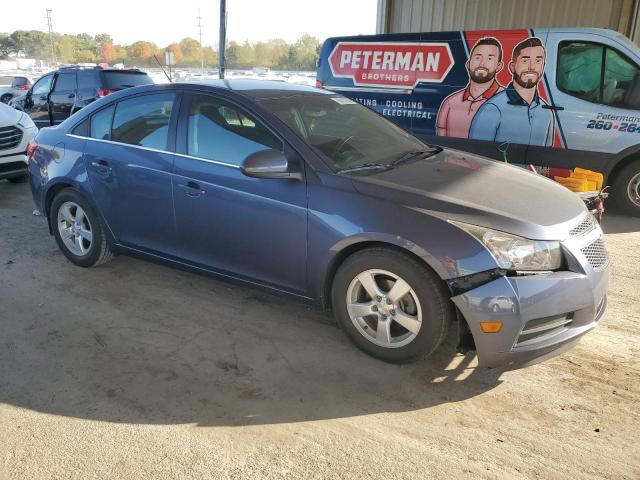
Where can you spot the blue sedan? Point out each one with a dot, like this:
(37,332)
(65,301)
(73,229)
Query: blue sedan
(301,191)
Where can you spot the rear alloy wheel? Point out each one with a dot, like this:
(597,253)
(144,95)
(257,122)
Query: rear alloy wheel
(78,230)
(392,306)
(74,228)
(6,98)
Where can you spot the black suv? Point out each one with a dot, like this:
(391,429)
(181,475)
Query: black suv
(57,95)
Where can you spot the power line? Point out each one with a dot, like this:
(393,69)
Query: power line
(53,50)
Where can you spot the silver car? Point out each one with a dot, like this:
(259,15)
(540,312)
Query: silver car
(13,86)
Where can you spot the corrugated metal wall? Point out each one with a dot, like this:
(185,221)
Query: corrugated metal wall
(443,15)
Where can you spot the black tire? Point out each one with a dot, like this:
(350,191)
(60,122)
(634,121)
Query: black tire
(6,98)
(99,251)
(620,193)
(434,298)
(21,179)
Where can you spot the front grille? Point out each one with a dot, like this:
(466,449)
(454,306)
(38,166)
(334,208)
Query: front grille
(541,329)
(586,226)
(596,255)
(10,137)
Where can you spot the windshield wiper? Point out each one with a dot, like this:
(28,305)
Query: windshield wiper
(365,166)
(405,157)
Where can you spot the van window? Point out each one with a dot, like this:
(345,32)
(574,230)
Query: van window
(580,70)
(620,79)
(598,74)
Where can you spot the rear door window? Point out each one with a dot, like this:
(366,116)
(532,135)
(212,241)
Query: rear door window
(100,127)
(65,82)
(143,121)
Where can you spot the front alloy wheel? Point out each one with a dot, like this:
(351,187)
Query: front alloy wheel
(391,304)
(384,308)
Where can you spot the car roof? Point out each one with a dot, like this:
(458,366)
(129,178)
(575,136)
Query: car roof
(258,88)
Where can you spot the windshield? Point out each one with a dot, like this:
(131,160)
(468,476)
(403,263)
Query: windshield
(348,135)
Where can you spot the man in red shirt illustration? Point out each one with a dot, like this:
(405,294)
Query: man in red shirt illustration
(458,109)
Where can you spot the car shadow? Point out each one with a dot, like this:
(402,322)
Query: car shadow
(141,343)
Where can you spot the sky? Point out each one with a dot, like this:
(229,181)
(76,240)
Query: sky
(167,22)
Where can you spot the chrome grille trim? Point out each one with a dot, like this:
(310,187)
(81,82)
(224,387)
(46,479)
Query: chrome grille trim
(587,225)
(596,254)
(543,329)
(10,137)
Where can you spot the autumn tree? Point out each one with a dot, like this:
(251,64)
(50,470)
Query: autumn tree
(177,53)
(107,52)
(141,53)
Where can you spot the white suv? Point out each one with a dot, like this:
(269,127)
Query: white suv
(16,131)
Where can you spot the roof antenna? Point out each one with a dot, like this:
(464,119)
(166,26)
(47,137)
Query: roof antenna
(163,70)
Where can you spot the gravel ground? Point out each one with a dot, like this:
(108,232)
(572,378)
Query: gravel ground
(135,370)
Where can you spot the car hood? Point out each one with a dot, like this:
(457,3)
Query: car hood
(8,115)
(458,186)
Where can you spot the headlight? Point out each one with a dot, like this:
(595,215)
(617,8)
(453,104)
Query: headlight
(25,121)
(517,253)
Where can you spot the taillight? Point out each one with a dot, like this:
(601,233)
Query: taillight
(103,92)
(318,84)
(31,149)
(23,87)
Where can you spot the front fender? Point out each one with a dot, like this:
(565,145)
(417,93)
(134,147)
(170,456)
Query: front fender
(341,220)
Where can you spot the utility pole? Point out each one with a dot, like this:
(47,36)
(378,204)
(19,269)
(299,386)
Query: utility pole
(201,48)
(53,50)
(223,34)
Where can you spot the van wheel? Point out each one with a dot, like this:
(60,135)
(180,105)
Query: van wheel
(626,189)
(78,230)
(391,305)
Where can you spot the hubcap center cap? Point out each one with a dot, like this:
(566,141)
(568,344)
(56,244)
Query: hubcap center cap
(384,308)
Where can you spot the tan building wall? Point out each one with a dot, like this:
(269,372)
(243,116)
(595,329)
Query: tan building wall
(442,15)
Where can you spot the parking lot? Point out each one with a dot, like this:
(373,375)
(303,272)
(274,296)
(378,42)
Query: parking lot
(135,370)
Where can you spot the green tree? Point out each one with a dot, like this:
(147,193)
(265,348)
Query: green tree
(103,39)
(7,46)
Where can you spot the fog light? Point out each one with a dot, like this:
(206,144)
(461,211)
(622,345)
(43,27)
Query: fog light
(490,327)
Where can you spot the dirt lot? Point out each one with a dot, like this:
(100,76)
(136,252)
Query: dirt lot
(135,370)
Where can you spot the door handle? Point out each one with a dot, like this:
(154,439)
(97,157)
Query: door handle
(71,95)
(192,189)
(557,108)
(43,97)
(102,165)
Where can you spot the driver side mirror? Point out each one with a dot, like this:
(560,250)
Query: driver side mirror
(268,164)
